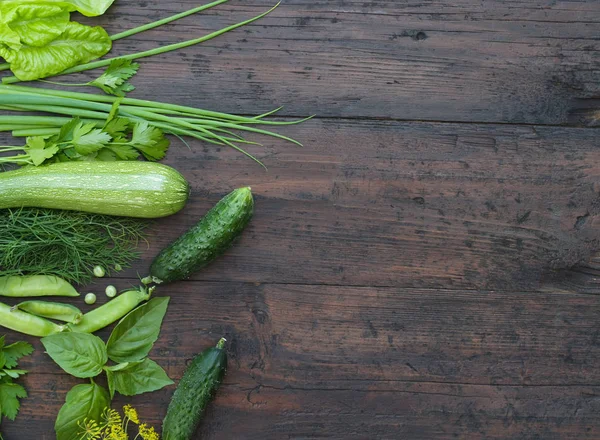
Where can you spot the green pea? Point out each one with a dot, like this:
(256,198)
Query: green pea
(99,272)
(111,291)
(90,298)
(35,285)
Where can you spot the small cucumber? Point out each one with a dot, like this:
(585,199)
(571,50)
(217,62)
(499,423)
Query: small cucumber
(51,310)
(194,392)
(205,241)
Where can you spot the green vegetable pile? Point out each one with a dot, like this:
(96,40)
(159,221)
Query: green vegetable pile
(131,372)
(73,209)
(56,46)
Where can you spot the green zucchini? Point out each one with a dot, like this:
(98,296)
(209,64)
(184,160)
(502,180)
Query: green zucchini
(122,188)
(194,392)
(205,241)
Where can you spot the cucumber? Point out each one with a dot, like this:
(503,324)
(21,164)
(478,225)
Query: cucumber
(123,188)
(205,241)
(194,392)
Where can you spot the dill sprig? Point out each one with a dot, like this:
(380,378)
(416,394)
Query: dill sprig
(67,244)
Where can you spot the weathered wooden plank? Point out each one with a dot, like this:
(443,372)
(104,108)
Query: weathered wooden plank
(402,204)
(518,61)
(342,362)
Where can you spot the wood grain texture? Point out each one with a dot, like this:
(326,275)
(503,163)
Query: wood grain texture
(492,61)
(384,203)
(343,362)
(424,267)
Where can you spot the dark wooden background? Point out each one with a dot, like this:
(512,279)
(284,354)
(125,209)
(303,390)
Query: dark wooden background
(424,267)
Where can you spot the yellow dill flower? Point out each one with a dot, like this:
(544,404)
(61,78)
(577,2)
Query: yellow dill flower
(115,432)
(148,433)
(131,414)
(111,417)
(89,430)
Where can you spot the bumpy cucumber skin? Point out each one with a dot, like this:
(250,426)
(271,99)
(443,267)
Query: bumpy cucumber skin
(205,241)
(122,188)
(194,392)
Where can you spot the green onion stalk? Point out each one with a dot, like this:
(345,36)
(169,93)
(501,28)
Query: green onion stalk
(209,126)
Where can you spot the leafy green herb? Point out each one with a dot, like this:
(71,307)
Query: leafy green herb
(38,151)
(133,338)
(115,80)
(79,354)
(10,392)
(67,244)
(84,355)
(13,352)
(137,378)
(83,402)
(78,140)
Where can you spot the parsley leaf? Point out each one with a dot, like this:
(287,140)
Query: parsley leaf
(14,373)
(117,127)
(9,399)
(87,139)
(124,152)
(114,80)
(38,151)
(151,141)
(10,392)
(66,131)
(16,351)
(114,110)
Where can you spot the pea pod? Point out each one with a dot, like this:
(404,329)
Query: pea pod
(112,311)
(35,285)
(27,323)
(51,310)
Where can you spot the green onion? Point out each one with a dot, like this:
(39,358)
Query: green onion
(157,51)
(212,127)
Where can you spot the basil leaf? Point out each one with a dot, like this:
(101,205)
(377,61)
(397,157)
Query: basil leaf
(78,44)
(133,338)
(83,402)
(138,378)
(79,354)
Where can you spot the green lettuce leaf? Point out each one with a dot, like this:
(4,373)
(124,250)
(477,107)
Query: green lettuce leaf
(90,8)
(78,44)
(31,24)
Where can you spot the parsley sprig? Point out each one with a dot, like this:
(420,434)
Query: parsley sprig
(77,140)
(114,80)
(11,392)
